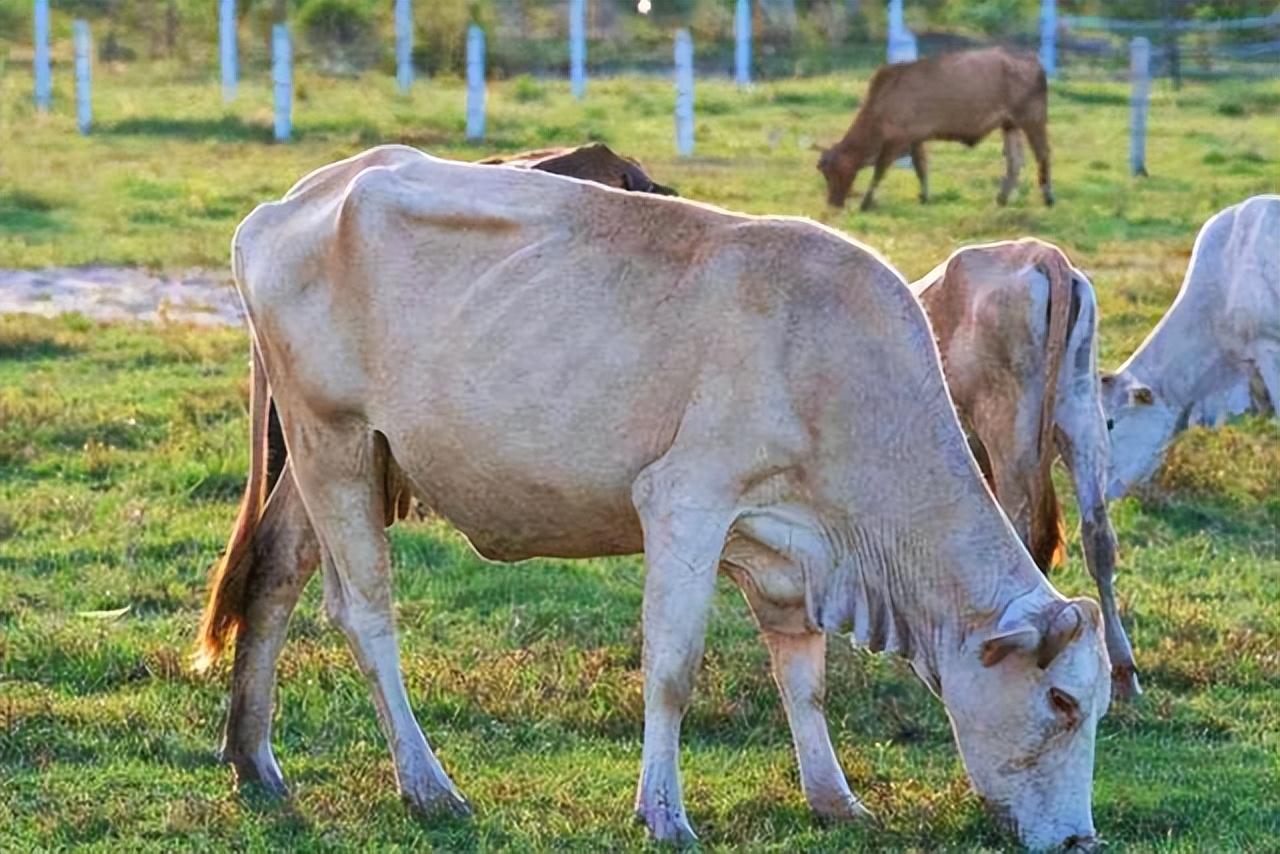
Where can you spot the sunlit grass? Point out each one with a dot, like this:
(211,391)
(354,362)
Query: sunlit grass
(122,451)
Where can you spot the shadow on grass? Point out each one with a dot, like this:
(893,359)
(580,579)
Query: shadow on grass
(31,347)
(226,128)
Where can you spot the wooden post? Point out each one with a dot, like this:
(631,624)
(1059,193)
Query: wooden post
(684,93)
(84,59)
(1140,77)
(475,83)
(40,64)
(227,48)
(742,43)
(282,81)
(578,47)
(1171,45)
(404,44)
(1049,37)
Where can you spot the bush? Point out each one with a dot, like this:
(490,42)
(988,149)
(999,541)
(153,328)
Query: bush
(342,33)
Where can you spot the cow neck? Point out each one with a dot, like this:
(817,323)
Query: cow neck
(893,591)
(1168,362)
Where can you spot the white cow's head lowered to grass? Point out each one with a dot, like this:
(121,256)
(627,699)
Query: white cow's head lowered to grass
(1142,425)
(1025,705)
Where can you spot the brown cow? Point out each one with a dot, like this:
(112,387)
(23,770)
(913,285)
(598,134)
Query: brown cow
(593,162)
(958,96)
(1017,329)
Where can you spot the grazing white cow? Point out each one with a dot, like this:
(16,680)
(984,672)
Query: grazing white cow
(1215,353)
(567,370)
(1017,329)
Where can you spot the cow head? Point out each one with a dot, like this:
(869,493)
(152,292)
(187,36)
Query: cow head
(1141,426)
(1024,701)
(840,167)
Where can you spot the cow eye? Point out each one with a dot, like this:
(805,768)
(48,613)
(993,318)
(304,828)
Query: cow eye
(1065,705)
(1111,424)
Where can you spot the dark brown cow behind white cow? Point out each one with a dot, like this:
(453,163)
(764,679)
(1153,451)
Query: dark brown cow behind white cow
(562,369)
(960,97)
(1017,329)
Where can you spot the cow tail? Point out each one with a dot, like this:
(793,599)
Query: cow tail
(1048,533)
(230,576)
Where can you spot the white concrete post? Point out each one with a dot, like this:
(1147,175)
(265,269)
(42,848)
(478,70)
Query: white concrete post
(1049,36)
(902,42)
(475,83)
(1140,77)
(227,48)
(578,47)
(742,43)
(84,60)
(404,44)
(684,93)
(282,80)
(40,64)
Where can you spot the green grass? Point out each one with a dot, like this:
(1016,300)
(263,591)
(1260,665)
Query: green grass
(122,451)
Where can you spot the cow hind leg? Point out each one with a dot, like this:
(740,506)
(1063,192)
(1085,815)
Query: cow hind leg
(684,533)
(286,553)
(341,474)
(1012,164)
(800,668)
(921,164)
(1038,136)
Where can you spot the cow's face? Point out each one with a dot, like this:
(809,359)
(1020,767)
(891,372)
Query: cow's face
(1024,706)
(1141,425)
(839,168)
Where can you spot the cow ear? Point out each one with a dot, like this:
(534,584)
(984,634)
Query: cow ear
(1064,627)
(1024,638)
(1143,395)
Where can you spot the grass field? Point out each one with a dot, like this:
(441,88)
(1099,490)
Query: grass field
(122,454)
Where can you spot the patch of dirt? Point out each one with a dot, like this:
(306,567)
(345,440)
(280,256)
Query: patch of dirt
(202,297)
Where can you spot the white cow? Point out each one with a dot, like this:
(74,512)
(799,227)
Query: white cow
(1216,351)
(562,369)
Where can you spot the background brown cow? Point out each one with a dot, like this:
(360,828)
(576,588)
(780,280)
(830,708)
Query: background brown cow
(959,96)
(592,162)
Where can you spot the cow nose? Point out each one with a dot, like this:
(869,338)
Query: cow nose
(1111,423)
(1081,844)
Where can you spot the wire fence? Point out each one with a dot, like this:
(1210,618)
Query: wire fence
(349,37)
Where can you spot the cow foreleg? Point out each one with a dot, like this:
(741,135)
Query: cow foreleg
(1012,164)
(883,161)
(286,553)
(684,534)
(800,669)
(342,481)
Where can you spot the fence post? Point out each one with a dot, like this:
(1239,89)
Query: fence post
(684,93)
(40,65)
(84,47)
(578,47)
(475,83)
(902,42)
(282,80)
(1049,37)
(742,43)
(227,48)
(1139,76)
(404,44)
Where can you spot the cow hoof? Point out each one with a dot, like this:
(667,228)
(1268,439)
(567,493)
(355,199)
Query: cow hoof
(667,825)
(1048,200)
(924,199)
(1002,200)
(435,801)
(1124,683)
(261,772)
(867,205)
(844,811)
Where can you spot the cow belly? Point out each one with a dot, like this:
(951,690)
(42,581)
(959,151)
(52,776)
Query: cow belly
(512,507)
